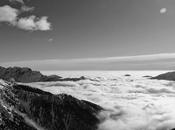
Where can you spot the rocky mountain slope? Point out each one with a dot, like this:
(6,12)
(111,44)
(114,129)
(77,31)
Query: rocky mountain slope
(26,108)
(27,75)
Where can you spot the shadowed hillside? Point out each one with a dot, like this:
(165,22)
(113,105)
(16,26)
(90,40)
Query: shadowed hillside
(26,108)
(165,76)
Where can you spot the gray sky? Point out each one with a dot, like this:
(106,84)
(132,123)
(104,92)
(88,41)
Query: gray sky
(69,29)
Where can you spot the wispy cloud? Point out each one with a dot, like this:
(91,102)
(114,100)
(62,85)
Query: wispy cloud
(149,57)
(10,15)
(164,61)
(25,8)
(20,1)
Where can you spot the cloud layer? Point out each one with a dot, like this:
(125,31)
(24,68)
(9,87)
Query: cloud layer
(131,103)
(10,16)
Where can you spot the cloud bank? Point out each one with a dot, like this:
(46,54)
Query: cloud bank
(10,16)
(131,103)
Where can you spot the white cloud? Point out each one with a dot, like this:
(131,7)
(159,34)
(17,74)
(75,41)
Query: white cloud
(33,23)
(163,10)
(43,24)
(27,23)
(10,16)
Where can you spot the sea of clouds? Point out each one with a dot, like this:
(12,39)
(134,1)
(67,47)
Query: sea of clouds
(131,102)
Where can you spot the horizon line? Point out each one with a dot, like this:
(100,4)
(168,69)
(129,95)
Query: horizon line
(156,56)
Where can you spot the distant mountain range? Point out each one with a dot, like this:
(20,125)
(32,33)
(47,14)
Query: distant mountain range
(26,75)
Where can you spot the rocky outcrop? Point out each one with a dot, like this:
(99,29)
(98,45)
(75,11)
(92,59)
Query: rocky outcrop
(127,75)
(27,75)
(165,76)
(72,79)
(26,108)
(147,76)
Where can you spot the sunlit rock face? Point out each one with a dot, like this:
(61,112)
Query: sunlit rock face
(27,108)
(166,76)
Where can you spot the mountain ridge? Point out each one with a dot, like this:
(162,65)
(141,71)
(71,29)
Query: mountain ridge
(27,75)
(25,107)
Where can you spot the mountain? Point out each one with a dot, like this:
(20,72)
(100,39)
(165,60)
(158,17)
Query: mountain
(26,75)
(166,76)
(27,108)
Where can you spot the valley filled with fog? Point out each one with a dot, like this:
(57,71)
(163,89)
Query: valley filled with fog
(131,100)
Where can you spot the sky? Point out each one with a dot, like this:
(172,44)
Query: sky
(43,30)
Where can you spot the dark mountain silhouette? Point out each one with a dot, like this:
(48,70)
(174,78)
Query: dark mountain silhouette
(27,108)
(166,76)
(26,75)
